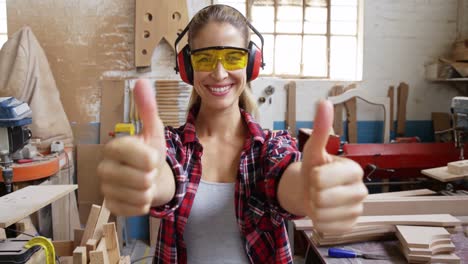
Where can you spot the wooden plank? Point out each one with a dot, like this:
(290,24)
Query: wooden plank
(401,110)
(422,236)
(79,255)
(401,194)
(391,96)
(77,236)
(99,256)
(458,167)
(454,205)
(91,245)
(63,248)
(442,174)
(351,114)
(338,110)
(19,204)
(441,220)
(291,108)
(112,242)
(102,220)
(439,258)
(436,249)
(90,224)
(154,21)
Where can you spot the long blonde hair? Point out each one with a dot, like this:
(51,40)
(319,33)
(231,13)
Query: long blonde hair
(222,14)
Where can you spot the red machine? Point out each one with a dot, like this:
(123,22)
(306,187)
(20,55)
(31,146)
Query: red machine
(400,161)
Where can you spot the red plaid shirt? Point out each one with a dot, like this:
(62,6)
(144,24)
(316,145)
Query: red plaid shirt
(261,219)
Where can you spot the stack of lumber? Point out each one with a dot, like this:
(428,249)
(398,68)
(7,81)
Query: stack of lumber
(383,212)
(172,97)
(377,227)
(97,243)
(426,244)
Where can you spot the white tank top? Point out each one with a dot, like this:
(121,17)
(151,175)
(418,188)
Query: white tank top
(211,233)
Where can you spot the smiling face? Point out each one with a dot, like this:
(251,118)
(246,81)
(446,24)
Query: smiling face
(219,89)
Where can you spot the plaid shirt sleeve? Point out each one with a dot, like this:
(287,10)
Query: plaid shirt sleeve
(174,150)
(281,151)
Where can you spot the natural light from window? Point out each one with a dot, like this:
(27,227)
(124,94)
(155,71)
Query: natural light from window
(308,38)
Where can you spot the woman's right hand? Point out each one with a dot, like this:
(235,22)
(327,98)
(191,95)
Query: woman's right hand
(131,165)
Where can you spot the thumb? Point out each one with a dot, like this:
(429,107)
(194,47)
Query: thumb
(153,128)
(314,150)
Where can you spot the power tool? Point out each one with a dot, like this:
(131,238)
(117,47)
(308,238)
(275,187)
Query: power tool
(14,134)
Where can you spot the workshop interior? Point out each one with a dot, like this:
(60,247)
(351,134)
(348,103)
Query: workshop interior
(396,73)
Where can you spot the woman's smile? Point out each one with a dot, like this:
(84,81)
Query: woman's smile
(219,90)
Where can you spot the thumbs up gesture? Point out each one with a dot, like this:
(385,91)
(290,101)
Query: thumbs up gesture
(334,190)
(130,171)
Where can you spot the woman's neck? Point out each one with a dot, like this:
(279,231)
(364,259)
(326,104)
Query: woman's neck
(214,123)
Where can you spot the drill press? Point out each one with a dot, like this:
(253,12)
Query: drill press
(14,134)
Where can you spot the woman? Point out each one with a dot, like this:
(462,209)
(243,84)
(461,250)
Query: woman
(223,186)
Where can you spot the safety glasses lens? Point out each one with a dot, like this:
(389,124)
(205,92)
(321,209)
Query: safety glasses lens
(231,59)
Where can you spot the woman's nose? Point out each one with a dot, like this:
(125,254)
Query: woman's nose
(219,73)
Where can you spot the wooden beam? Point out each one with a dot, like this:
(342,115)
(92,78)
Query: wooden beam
(79,255)
(91,245)
(401,110)
(338,111)
(291,112)
(63,248)
(90,224)
(391,96)
(102,220)
(401,194)
(99,256)
(454,205)
(351,115)
(77,235)
(112,243)
(21,203)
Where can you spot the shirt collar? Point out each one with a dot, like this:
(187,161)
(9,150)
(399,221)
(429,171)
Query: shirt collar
(254,129)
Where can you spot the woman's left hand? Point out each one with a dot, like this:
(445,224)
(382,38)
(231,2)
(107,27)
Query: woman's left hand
(334,190)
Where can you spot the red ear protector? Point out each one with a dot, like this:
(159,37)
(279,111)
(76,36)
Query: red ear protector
(184,64)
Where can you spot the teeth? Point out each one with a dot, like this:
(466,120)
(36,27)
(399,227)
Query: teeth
(220,89)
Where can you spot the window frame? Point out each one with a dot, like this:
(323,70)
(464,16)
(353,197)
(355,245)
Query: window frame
(328,35)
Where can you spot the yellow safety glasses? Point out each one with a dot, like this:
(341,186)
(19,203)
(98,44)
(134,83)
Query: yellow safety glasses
(206,59)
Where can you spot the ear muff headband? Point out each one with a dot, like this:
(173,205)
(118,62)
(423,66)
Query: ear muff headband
(184,65)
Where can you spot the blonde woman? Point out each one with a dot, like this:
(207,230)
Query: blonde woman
(222,185)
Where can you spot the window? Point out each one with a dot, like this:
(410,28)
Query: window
(3,23)
(319,39)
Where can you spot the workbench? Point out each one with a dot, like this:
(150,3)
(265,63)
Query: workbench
(319,254)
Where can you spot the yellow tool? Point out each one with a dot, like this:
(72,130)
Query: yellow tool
(46,244)
(124,129)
